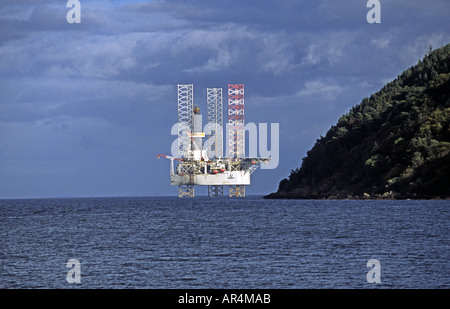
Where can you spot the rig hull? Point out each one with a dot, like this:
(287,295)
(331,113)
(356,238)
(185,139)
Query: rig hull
(223,179)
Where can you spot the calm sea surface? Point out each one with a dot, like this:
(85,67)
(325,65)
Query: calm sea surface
(166,242)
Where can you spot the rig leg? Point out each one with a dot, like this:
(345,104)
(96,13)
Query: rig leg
(215,191)
(186,191)
(237,191)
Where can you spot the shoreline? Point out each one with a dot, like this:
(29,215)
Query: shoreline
(350,197)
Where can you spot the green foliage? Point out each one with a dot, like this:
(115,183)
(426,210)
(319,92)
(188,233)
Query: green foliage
(396,139)
(372,162)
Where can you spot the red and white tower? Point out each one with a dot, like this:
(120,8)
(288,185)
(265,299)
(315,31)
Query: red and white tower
(236,134)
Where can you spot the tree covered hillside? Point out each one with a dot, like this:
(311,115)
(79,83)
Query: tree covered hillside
(394,144)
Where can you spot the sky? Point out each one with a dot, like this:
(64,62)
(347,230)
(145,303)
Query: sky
(85,108)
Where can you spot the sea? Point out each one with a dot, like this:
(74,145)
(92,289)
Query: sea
(223,243)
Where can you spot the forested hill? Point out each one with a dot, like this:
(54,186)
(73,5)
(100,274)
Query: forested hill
(394,144)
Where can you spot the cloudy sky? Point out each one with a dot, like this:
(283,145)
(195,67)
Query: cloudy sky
(85,108)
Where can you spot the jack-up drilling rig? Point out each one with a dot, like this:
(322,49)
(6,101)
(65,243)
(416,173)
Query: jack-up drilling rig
(204,164)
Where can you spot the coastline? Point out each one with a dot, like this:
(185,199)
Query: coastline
(365,196)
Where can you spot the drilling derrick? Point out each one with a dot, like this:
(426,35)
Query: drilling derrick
(203,163)
(236,141)
(215,122)
(215,116)
(185,127)
(185,119)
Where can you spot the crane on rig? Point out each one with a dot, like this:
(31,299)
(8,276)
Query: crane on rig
(204,164)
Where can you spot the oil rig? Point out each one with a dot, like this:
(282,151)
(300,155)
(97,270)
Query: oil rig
(204,164)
